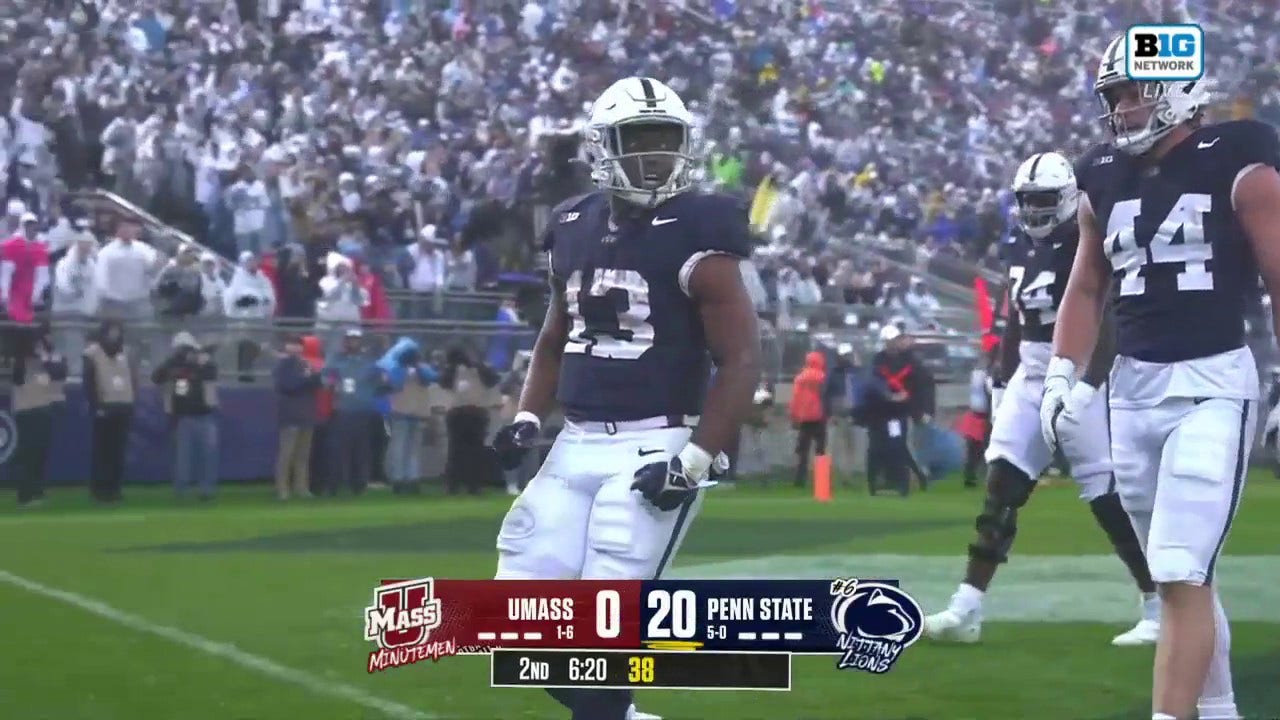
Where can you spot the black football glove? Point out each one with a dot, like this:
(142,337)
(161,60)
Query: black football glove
(513,441)
(665,484)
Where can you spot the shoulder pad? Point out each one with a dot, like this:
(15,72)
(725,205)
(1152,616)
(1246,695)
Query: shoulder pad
(565,213)
(1087,166)
(723,223)
(1246,142)
(570,205)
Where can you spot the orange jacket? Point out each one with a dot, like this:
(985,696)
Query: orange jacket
(311,352)
(806,389)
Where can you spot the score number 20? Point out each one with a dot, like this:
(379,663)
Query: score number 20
(680,606)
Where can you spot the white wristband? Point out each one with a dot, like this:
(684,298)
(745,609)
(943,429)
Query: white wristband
(526,416)
(695,461)
(1061,367)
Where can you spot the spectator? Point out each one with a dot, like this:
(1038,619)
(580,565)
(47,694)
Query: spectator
(124,271)
(75,298)
(356,382)
(808,413)
(919,300)
(178,289)
(408,377)
(189,385)
(460,268)
(503,340)
(467,422)
(298,383)
(342,300)
(24,271)
(424,269)
(250,299)
(378,308)
(319,479)
(38,377)
(248,201)
(110,391)
(298,292)
(212,287)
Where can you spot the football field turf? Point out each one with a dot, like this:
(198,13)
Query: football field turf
(247,609)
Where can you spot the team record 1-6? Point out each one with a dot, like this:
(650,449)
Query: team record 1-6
(629,669)
(794,616)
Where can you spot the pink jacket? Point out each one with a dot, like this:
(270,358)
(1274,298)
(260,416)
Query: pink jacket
(24,276)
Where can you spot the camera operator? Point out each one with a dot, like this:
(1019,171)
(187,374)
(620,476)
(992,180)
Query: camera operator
(188,380)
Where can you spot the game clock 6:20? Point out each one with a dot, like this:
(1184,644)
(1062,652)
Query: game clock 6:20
(620,669)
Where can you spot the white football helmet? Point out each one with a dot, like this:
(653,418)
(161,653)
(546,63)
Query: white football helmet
(640,140)
(1045,188)
(1166,103)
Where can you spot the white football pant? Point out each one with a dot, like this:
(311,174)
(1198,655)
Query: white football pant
(579,517)
(1016,437)
(1180,469)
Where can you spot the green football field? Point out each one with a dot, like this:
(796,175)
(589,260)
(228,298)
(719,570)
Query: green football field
(252,610)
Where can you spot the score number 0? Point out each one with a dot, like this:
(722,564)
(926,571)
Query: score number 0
(680,606)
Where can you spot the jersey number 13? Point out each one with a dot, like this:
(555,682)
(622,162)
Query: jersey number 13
(610,314)
(1179,239)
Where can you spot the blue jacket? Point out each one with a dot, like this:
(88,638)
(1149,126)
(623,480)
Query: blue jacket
(357,383)
(397,364)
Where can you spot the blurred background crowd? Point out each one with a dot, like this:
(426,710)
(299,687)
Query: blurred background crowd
(231,166)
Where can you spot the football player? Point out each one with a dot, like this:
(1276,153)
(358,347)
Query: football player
(646,291)
(1176,220)
(1039,260)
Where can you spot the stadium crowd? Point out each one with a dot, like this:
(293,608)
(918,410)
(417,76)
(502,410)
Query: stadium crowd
(425,141)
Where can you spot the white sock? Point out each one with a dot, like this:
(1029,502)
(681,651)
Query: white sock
(1151,606)
(1218,700)
(967,599)
(1162,716)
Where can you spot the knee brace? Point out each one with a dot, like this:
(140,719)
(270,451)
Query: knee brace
(1115,522)
(1008,489)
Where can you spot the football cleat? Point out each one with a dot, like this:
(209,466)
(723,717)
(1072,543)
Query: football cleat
(951,626)
(1146,632)
(634,714)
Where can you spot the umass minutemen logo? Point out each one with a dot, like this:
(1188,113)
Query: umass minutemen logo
(400,620)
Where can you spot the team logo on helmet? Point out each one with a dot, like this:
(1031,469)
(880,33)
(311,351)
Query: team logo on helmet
(8,436)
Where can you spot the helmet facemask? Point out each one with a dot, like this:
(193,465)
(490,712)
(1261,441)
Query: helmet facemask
(1040,211)
(1157,98)
(644,161)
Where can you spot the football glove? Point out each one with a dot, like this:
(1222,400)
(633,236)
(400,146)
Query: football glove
(668,485)
(1068,427)
(1057,387)
(514,440)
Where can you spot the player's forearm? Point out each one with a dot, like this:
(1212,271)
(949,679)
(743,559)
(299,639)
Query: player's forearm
(538,396)
(1075,334)
(1104,352)
(729,401)
(1009,342)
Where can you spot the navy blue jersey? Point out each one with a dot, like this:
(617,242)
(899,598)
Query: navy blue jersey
(1182,269)
(1038,272)
(636,347)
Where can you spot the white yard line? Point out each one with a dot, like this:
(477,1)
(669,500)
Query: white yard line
(255,663)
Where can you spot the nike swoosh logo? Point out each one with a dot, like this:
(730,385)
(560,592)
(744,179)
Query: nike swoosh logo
(642,452)
(663,221)
(1209,144)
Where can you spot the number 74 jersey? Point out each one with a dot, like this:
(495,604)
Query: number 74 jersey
(1182,269)
(636,347)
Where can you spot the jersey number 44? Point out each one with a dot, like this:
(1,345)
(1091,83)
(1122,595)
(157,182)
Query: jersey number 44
(1179,239)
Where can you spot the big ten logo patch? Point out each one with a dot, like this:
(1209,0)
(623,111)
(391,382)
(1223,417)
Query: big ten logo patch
(1164,52)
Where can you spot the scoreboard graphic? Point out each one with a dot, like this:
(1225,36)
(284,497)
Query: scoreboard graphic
(718,634)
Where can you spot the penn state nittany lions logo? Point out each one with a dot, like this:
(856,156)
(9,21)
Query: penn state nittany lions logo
(876,622)
(8,436)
